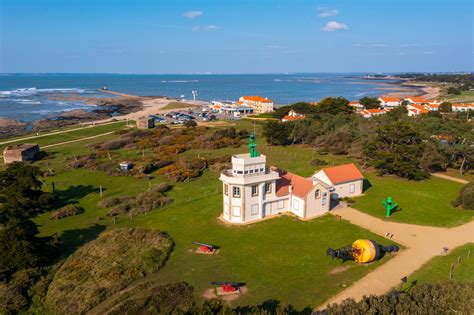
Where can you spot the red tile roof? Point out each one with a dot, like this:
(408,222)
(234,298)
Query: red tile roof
(343,173)
(288,117)
(390,99)
(418,99)
(256,98)
(419,108)
(300,186)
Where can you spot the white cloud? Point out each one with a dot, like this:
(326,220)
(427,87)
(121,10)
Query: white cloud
(192,14)
(327,12)
(334,26)
(211,28)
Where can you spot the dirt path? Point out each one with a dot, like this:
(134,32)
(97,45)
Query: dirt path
(422,243)
(77,140)
(451,178)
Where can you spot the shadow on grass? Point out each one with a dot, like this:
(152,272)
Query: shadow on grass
(366,185)
(73,239)
(273,307)
(73,194)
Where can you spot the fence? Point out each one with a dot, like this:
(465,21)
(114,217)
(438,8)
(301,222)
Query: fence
(458,263)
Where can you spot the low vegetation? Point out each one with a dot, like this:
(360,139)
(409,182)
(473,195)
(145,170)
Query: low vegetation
(465,198)
(66,211)
(106,266)
(438,298)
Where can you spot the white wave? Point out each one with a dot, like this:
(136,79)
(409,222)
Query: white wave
(277,80)
(29,102)
(178,81)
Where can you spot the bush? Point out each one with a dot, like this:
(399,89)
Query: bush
(465,198)
(190,124)
(104,268)
(113,201)
(318,162)
(184,169)
(66,211)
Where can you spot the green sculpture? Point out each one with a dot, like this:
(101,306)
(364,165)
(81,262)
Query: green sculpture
(390,206)
(253,146)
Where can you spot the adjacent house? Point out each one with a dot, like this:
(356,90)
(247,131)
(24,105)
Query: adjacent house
(356,105)
(416,100)
(20,153)
(145,123)
(431,106)
(367,113)
(258,103)
(292,116)
(346,180)
(389,102)
(416,109)
(253,192)
(462,107)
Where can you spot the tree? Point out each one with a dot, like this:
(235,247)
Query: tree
(333,106)
(370,102)
(396,149)
(465,198)
(453,91)
(277,133)
(445,107)
(21,199)
(190,123)
(432,160)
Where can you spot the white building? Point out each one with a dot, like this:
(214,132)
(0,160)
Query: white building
(253,192)
(462,107)
(292,116)
(356,105)
(389,102)
(260,104)
(367,113)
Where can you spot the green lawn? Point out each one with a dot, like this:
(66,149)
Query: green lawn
(465,97)
(438,268)
(424,202)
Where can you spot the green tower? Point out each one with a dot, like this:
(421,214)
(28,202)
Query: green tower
(389,206)
(253,146)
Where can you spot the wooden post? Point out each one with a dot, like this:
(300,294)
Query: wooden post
(114,220)
(108,154)
(100,188)
(54,188)
(149,185)
(459,260)
(469,254)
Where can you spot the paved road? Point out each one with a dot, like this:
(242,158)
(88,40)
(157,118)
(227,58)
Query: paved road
(422,243)
(451,178)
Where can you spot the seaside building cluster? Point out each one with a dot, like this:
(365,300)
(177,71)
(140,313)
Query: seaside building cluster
(244,106)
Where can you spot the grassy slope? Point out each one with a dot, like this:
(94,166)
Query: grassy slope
(178,105)
(424,202)
(465,97)
(437,269)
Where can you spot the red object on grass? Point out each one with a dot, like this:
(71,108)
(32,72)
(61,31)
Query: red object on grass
(228,288)
(205,249)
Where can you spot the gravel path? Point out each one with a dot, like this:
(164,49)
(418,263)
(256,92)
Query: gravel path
(422,243)
(451,178)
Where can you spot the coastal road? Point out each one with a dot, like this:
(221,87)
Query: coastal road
(451,178)
(422,243)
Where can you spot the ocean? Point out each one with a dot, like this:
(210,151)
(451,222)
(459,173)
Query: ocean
(29,97)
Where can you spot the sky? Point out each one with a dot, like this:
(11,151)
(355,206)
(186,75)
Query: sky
(227,36)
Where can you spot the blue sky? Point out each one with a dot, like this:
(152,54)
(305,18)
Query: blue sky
(191,36)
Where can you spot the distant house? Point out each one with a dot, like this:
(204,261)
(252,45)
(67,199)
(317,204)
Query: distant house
(20,153)
(145,123)
(432,107)
(356,105)
(367,113)
(462,107)
(258,103)
(389,102)
(346,180)
(416,100)
(238,111)
(292,116)
(416,109)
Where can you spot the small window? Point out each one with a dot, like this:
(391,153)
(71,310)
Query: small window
(317,194)
(254,190)
(296,205)
(268,188)
(236,192)
(251,171)
(352,188)
(236,211)
(261,170)
(239,172)
(254,210)
(246,172)
(226,189)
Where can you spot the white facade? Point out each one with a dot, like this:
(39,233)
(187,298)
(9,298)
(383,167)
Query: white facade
(251,192)
(389,102)
(258,103)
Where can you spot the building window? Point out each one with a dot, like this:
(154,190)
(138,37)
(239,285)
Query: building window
(254,210)
(281,204)
(261,170)
(317,194)
(246,172)
(268,188)
(254,190)
(236,192)
(296,205)
(239,172)
(251,171)
(352,188)
(226,189)
(236,211)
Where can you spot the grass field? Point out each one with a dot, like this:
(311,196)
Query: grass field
(66,136)
(424,202)
(178,105)
(438,268)
(465,97)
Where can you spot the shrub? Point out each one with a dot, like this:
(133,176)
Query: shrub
(184,169)
(66,211)
(465,198)
(113,201)
(318,162)
(104,268)
(116,144)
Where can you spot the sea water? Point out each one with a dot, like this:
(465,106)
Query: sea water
(29,97)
